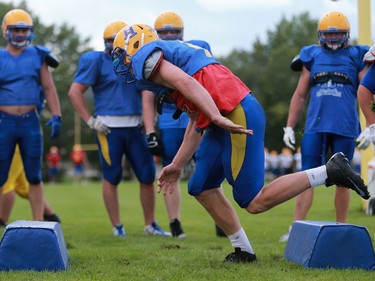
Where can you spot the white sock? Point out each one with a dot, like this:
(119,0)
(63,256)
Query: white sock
(317,176)
(240,240)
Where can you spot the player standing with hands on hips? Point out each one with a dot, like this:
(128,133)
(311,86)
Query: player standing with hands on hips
(21,84)
(232,146)
(330,76)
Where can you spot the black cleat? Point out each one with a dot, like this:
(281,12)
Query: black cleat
(340,172)
(176,229)
(52,217)
(2,223)
(239,256)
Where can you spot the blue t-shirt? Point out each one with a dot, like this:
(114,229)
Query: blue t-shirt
(20,76)
(112,96)
(333,93)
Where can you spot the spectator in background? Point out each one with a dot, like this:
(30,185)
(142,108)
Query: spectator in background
(286,161)
(78,159)
(53,158)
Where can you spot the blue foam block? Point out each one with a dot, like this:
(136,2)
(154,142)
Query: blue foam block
(330,245)
(33,245)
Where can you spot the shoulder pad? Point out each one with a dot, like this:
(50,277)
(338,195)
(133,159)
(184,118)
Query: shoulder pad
(151,63)
(296,64)
(48,57)
(200,43)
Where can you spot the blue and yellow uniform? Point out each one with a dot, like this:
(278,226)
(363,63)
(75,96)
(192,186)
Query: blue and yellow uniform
(238,158)
(119,104)
(332,119)
(20,85)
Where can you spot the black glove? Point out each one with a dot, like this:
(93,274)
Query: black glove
(154,144)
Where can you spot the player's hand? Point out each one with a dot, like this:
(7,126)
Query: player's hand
(168,179)
(227,124)
(154,144)
(96,124)
(366,137)
(289,138)
(55,124)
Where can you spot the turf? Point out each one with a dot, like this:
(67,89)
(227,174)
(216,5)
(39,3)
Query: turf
(96,255)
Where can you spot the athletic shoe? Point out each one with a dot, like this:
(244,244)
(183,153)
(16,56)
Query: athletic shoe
(176,229)
(118,230)
(155,229)
(340,172)
(240,256)
(285,237)
(52,217)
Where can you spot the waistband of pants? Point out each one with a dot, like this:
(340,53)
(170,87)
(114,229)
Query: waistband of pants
(29,114)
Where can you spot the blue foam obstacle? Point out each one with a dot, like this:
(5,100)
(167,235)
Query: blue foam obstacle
(330,245)
(33,245)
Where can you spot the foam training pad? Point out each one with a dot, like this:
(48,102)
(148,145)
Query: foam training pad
(322,244)
(33,245)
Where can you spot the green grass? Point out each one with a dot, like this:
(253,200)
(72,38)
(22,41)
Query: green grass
(96,255)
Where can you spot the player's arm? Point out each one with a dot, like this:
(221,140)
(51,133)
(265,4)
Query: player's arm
(148,111)
(366,100)
(299,98)
(50,91)
(76,96)
(173,77)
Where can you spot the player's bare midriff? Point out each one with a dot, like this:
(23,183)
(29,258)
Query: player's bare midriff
(16,109)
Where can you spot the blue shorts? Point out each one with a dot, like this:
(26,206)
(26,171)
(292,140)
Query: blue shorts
(171,139)
(315,147)
(132,143)
(79,169)
(26,131)
(237,158)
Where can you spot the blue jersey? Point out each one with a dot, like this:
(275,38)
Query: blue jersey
(189,59)
(333,93)
(112,96)
(165,120)
(369,79)
(20,76)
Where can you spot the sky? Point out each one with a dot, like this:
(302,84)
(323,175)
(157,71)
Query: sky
(224,24)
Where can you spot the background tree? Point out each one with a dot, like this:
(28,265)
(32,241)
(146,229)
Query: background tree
(266,71)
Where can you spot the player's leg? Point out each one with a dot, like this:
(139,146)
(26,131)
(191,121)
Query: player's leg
(144,169)
(110,154)
(171,139)
(342,195)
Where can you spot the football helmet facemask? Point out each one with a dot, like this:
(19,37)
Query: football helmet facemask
(127,43)
(17,28)
(334,31)
(169,26)
(110,32)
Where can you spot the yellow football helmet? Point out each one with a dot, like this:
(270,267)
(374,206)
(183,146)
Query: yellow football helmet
(169,26)
(15,20)
(333,24)
(131,38)
(110,32)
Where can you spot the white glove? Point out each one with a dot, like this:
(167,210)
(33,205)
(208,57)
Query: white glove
(289,138)
(366,137)
(96,124)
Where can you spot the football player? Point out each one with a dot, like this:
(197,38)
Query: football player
(116,121)
(232,146)
(330,75)
(27,73)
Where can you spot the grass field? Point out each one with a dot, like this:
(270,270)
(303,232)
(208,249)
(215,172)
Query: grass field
(96,255)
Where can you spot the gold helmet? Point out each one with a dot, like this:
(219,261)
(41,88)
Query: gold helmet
(128,41)
(334,23)
(18,19)
(110,32)
(169,26)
